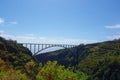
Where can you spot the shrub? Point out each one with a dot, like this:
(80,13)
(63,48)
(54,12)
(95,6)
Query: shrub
(52,71)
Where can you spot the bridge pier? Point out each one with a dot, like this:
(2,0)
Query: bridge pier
(36,48)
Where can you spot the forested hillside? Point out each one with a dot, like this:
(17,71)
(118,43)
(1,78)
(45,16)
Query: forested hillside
(17,63)
(13,58)
(101,61)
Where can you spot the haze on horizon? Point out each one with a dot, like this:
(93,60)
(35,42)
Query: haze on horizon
(60,21)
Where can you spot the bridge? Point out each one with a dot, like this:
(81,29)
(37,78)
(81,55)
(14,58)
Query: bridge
(37,48)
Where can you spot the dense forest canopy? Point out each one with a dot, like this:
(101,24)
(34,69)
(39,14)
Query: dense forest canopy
(101,61)
(98,61)
(17,63)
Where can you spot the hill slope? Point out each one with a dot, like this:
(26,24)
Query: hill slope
(13,53)
(100,60)
(17,63)
(13,61)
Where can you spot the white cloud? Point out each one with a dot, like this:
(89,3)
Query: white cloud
(30,38)
(5,22)
(113,26)
(13,22)
(1,31)
(2,21)
(117,36)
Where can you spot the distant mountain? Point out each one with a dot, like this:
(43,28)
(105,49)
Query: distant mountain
(99,60)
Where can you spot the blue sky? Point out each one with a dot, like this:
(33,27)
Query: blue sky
(60,21)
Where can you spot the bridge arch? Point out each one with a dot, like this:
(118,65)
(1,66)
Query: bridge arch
(37,48)
(65,47)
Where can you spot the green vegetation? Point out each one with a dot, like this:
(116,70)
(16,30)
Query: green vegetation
(17,63)
(101,61)
(51,71)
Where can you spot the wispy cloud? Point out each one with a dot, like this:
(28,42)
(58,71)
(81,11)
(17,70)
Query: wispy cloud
(116,36)
(5,22)
(1,31)
(2,20)
(13,22)
(31,38)
(113,26)
(36,39)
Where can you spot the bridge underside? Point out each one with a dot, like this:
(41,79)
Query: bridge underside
(37,48)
